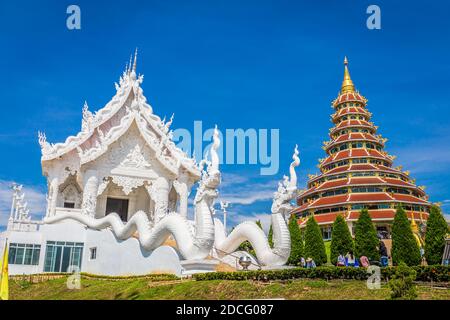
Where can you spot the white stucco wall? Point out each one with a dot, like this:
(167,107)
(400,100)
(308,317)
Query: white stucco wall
(114,256)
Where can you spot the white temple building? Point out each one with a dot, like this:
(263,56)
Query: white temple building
(118,191)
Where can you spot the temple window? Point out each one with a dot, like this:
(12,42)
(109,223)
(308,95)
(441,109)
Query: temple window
(334,192)
(326,232)
(119,206)
(93,253)
(69,205)
(25,254)
(397,190)
(366,189)
(60,255)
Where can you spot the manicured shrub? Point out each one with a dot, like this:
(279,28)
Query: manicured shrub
(366,240)
(341,239)
(314,246)
(404,246)
(296,242)
(402,283)
(424,273)
(437,229)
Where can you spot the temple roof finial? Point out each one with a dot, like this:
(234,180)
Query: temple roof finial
(347,84)
(135,59)
(129,64)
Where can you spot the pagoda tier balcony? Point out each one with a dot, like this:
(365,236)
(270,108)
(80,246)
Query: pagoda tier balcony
(353,137)
(348,182)
(378,216)
(348,124)
(349,111)
(350,116)
(355,153)
(349,97)
(356,198)
(355,168)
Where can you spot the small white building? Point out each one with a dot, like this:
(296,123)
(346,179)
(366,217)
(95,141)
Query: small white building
(123,161)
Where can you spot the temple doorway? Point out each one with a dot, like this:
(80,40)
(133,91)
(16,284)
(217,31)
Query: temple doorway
(119,206)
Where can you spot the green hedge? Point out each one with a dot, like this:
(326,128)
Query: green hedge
(429,273)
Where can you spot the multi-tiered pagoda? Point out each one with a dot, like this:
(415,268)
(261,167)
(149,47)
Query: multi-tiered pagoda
(357,173)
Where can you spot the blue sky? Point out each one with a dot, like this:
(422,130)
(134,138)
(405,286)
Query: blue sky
(240,64)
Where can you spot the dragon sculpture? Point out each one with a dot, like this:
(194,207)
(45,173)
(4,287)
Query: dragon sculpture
(194,238)
(250,231)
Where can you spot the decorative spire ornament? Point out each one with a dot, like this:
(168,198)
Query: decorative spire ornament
(347,84)
(135,59)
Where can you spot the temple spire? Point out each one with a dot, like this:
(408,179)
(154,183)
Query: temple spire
(129,64)
(135,60)
(347,84)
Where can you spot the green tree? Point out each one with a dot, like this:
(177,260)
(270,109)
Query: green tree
(404,246)
(270,236)
(296,242)
(437,229)
(366,239)
(314,246)
(341,239)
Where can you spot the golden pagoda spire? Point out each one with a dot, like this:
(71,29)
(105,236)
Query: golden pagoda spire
(347,84)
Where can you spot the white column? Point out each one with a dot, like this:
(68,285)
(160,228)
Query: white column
(53,196)
(183,193)
(90,190)
(160,194)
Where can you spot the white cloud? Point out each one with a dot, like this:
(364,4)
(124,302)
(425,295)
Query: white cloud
(236,218)
(33,196)
(425,156)
(239,189)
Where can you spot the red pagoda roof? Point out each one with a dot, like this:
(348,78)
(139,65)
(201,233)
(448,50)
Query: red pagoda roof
(348,97)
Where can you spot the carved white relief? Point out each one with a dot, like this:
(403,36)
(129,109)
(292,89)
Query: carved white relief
(71,194)
(128,183)
(136,159)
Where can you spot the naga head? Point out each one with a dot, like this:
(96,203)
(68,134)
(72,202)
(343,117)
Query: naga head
(287,189)
(211,177)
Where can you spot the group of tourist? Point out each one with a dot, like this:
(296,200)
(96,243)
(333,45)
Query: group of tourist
(349,260)
(307,263)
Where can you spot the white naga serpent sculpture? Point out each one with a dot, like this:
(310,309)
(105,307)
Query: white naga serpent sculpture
(250,231)
(192,242)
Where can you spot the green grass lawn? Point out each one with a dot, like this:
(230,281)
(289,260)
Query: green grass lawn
(215,289)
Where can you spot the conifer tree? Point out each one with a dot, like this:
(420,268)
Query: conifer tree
(437,230)
(341,239)
(296,242)
(366,239)
(270,236)
(314,246)
(404,245)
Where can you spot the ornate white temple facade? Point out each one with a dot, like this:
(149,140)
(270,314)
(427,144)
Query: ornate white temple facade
(118,191)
